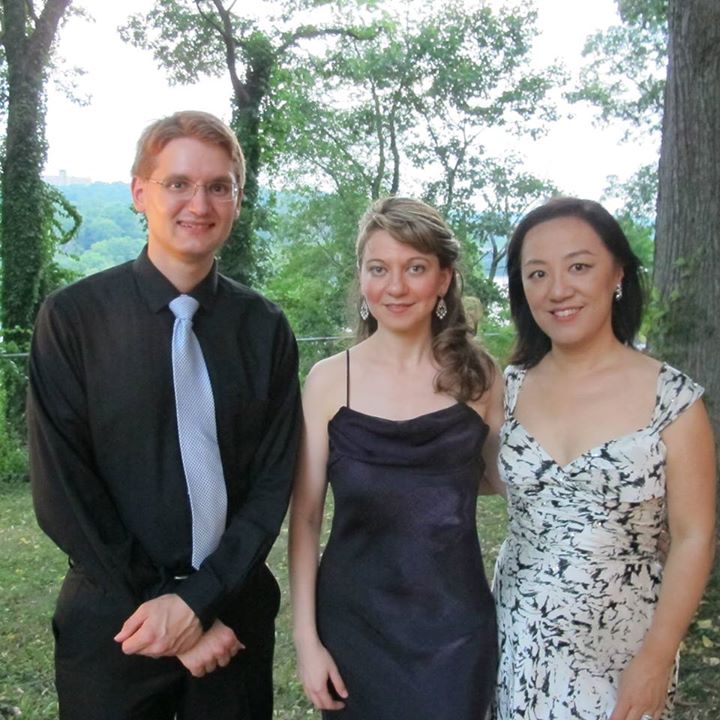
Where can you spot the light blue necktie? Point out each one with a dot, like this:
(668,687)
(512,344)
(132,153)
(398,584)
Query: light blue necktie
(197,432)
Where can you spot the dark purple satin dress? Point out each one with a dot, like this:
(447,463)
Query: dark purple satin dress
(403,603)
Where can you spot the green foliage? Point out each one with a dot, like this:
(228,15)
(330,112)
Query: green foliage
(182,44)
(35,217)
(497,333)
(370,113)
(639,193)
(640,234)
(112,231)
(625,73)
(29,274)
(404,111)
(13,455)
(28,205)
(650,13)
(681,320)
(103,254)
(506,193)
(107,213)
(313,267)
(61,222)
(637,219)
(699,691)
(25,285)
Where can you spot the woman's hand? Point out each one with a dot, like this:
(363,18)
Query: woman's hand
(318,673)
(216,648)
(643,688)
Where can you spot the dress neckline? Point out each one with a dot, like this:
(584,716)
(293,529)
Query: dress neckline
(344,409)
(522,372)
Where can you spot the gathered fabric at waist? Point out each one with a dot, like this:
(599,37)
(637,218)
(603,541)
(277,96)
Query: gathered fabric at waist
(585,550)
(600,533)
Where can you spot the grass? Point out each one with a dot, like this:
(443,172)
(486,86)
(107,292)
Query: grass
(699,692)
(31,570)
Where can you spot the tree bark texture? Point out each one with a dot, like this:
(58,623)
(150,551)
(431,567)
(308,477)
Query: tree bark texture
(687,246)
(238,258)
(24,252)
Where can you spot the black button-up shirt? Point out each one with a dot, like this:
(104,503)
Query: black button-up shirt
(106,470)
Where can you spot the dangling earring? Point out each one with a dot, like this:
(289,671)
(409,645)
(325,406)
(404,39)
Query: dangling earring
(441,308)
(364,309)
(618,292)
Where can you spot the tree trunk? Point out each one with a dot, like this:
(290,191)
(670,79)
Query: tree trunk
(26,245)
(687,246)
(24,256)
(238,258)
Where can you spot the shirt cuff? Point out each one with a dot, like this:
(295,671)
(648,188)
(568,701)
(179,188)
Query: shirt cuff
(203,593)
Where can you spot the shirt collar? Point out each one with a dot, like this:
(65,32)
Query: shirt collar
(158,291)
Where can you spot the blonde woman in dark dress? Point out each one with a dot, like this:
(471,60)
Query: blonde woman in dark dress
(397,620)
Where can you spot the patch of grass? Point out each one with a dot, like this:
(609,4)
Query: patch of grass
(31,570)
(699,692)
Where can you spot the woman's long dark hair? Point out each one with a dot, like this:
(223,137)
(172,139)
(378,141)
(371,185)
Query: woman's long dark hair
(532,344)
(466,370)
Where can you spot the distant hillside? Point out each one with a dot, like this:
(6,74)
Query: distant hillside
(106,210)
(111,231)
(103,192)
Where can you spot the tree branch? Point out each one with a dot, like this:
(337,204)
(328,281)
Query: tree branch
(226,33)
(307,32)
(377,180)
(46,26)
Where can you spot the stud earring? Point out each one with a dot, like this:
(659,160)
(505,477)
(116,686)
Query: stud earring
(618,292)
(364,310)
(441,308)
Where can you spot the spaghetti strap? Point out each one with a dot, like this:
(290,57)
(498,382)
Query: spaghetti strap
(347,378)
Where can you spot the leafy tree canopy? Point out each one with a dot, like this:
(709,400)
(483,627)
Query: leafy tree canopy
(624,76)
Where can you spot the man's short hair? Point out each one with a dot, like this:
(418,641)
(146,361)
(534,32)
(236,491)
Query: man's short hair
(187,124)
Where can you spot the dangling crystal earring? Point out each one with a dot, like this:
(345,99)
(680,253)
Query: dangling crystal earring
(364,309)
(618,292)
(441,308)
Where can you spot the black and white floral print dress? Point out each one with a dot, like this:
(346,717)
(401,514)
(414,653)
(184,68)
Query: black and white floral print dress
(577,578)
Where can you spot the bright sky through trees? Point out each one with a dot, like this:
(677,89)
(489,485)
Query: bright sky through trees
(127,92)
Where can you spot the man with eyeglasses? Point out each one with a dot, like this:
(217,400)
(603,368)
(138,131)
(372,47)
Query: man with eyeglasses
(163,417)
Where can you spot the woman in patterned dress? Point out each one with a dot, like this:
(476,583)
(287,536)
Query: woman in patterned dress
(601,443)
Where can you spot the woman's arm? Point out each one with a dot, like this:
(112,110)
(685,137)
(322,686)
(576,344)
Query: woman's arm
(490,483)
(315,666)
(690,474)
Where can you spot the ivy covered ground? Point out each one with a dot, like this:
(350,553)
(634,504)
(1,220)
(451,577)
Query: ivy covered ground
(31,570)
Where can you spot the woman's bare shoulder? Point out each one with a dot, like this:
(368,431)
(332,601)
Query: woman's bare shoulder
(643,363)
(324,389)
(327,370)
(638,373)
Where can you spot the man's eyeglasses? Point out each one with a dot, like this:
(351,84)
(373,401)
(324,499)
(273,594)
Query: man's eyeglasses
(184,190)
